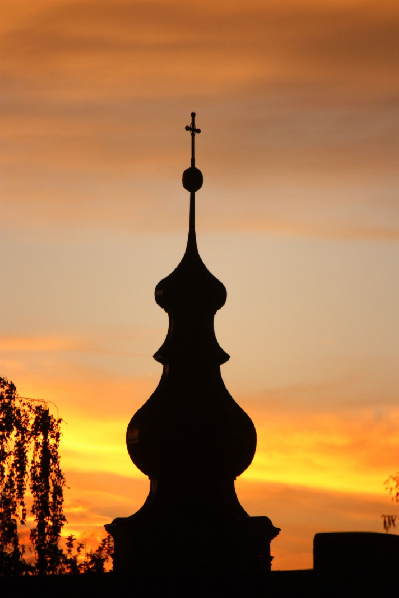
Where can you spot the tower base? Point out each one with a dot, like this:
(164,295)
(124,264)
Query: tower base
(146,546)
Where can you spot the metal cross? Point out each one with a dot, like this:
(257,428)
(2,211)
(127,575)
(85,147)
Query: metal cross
(193,131)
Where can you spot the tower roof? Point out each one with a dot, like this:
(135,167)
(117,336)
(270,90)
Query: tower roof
(191,287)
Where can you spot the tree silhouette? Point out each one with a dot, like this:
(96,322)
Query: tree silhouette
(392,486)
(29,442)
(93,561)
(29,457)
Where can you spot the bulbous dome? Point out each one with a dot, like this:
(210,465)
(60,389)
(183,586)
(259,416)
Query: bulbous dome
(191,427)
(190,287)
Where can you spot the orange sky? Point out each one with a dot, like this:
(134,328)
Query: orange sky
(298,216)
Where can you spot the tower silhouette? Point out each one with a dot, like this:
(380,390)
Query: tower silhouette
(191,439)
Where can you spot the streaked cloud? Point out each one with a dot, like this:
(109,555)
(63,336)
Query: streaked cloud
(303,96)
(300,512)
(49,344)
(345,35)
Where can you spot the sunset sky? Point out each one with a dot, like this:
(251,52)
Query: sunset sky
(298,217)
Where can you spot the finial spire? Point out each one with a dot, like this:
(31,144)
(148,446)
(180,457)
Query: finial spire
(193,131)
(192,440)
(192,182)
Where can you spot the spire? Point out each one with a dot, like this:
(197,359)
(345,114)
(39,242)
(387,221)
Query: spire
(192,182)
(191,287)
(191,439)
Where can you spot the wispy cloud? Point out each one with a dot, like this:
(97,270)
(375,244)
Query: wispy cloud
(304,93)
(349,36)
(38,344)
(300,512)
(321,442)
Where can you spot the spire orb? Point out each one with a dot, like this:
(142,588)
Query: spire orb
(192,179)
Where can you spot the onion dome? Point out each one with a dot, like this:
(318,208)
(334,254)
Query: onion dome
(190,287)
(191,295)
(191,427)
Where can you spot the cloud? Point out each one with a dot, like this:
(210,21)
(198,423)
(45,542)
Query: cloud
(338,448)
(99,344)
(324,452)
(349,450)
(96,498)
(301,513)
(45,344)
(300,107)
(339,434)
(249,36)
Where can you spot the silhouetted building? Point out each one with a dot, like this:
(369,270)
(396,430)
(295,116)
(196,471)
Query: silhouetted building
(356,563)
(191,439)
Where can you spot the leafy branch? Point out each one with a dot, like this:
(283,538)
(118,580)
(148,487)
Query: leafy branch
(392,486)
(29,454)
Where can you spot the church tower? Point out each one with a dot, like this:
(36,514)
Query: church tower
(191,439)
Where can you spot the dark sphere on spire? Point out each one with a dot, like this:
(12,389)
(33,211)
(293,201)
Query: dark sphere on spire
(192,179)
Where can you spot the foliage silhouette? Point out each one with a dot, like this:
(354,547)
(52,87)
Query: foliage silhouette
(29,458)
(392,486)
(75,560)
